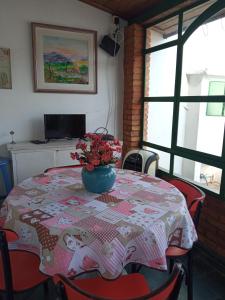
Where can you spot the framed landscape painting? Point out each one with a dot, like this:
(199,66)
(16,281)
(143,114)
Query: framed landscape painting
(64,58)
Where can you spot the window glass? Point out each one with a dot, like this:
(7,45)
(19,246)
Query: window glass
(198,131)
(204,175)
(156,131)
(203,59)
(162,32)
(160,72)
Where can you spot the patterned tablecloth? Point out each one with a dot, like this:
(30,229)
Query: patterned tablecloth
(73,230)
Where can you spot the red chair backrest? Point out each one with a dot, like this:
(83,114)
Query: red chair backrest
(193,195)
(70,290)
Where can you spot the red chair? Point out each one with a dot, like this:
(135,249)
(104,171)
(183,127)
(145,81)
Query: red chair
(129,287)
(11,236)
(62,167)
(19,270)
(194,198)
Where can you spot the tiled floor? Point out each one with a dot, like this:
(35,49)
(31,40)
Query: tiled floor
(209,283)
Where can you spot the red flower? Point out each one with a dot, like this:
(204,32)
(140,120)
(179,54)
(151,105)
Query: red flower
(81,160)
(81,146)
(95,162)
(74,155)
(90,167)
(106,157)
(97,152)
(116,142)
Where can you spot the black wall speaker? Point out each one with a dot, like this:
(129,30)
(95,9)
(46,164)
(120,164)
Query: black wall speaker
(109,45)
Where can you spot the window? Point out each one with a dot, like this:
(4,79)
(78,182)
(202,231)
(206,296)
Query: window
(185,95)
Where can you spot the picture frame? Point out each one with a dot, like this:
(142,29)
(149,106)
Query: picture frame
(5,69)
(64,59)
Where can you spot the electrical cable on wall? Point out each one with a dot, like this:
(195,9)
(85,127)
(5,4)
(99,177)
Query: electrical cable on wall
(108,84)
(112,89)
(117,34)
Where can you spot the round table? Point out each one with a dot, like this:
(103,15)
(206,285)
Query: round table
(73,230)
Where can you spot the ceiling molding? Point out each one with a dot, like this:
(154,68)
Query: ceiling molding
(100,6)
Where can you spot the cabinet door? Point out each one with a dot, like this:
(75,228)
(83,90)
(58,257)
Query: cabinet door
(32,163)
(63,158)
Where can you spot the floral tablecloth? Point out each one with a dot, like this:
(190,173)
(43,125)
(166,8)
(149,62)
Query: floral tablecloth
(73,230)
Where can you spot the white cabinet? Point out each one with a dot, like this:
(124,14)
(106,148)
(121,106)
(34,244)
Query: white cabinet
(26,164)
(30,159)
(62,157)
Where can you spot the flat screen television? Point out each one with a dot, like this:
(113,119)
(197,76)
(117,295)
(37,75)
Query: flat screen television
(64,126)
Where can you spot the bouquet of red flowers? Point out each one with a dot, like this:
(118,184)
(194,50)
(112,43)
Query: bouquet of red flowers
(97,152)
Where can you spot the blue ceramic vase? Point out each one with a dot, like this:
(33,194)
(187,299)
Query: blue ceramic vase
(100,180)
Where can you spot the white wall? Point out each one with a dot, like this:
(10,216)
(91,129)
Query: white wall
(21,109)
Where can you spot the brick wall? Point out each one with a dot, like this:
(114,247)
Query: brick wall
(211,229)
(133,80)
